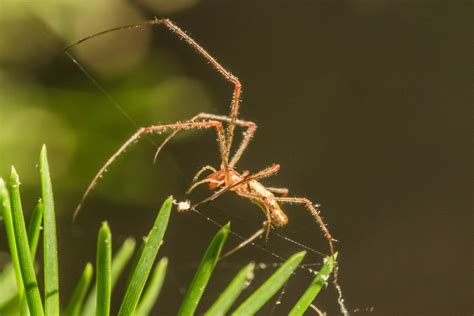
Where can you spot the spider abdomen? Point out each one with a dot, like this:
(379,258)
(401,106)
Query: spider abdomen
(279,218)
(269,202)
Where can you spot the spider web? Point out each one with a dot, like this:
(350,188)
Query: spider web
(305,268)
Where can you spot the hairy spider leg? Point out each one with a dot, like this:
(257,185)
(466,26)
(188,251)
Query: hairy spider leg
(205,168)
(245,178)
(314,211)
(157,129)
(206,180)
(282,191)
(244,243)
(195,181)
(267,225)
(248,134)
(229,134)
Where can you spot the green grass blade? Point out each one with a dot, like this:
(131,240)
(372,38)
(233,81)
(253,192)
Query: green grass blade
(103,268)
(24,255)
(77,298)
(34,228)
(203,273)
(153,289)
(319,281)
(145,263)
(33,236)
(10,230)
(134,261)
(232,292)
(265,292)
(50,252)
(119,262)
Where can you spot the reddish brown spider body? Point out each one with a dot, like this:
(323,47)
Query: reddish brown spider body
(225,179)
(254,190)
(245,184)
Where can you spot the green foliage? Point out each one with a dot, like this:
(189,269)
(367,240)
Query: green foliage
(104,271)
(204,272)
(153,289)
(34,228)
(50,253)
(119,262)
(232,292)
(77,298)
(28,275)
(265,292)
(141,292)
(145,262)
(319,281)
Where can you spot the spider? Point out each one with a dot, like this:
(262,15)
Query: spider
(226,177)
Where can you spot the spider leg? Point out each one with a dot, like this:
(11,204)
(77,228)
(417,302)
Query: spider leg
(248,134)
(244,243)
(314,211)
(196,184)
(198,174)
(195,181)
(267,225)
(157,129)
(267,172)
(246,178)
(229,133)
(282,191)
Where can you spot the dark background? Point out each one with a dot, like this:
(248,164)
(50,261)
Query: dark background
(365,104)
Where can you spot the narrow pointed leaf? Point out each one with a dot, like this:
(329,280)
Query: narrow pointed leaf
(24,255)
(203,273)
(103,268)
(153,289)
(34,228)
(51,275)
(265,292)
(134,261)
(119,261)
(145,263)
(10,230)
(232,292)
(77,298)
(319,281)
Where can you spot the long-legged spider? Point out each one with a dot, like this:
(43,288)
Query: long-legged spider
(226,178)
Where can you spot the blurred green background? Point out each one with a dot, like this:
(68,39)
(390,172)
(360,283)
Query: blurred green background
(364,103)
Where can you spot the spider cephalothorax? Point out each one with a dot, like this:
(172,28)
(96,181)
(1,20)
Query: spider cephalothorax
(218,178)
